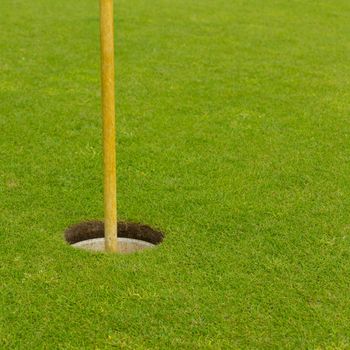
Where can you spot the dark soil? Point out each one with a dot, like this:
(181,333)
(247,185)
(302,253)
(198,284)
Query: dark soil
(95,229)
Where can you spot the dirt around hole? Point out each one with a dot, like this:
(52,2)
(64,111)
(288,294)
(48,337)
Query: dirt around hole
(95,229)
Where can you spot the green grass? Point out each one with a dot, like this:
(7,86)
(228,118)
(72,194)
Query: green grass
(234,139)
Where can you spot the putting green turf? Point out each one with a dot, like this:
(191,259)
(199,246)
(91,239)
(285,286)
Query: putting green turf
(234,139)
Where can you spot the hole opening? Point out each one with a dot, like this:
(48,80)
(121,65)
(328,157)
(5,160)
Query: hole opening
(88,230)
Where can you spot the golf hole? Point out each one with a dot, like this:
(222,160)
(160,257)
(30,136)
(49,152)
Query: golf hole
(132,237)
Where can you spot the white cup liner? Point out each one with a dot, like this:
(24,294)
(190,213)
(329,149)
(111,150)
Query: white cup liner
(125,245)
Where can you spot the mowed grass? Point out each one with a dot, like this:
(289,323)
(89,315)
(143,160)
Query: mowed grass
(233,138)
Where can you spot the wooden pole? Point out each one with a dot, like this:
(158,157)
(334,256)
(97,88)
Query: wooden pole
(109,131)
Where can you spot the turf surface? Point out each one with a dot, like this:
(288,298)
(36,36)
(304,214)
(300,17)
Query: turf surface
(234,139)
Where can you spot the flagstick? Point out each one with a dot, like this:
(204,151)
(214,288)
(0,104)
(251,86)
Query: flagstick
(108,112)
